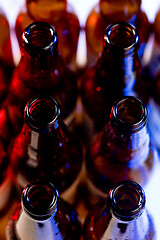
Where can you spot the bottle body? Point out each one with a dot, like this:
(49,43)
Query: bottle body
(61,16)
(60,223)
(108,12)
(112,219)
(49,152)
(118,153)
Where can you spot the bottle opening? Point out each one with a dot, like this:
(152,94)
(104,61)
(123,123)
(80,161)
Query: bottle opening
(39,38)
(131,113)
(39,199)
(128,199)
(40,113)
(122,36)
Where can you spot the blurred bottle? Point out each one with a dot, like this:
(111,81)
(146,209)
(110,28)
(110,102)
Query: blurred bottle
(45,149)
(58,13)
(122,151)
(43,215)
(41,70)
(117,73)
(108,12)
(121,216)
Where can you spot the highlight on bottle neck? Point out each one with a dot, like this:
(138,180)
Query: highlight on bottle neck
(129,114)
(39,39)
(127,200)
(41,113)
(39,200)
(121,38)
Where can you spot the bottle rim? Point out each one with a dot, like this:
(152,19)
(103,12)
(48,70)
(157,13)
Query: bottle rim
(119,198)
(40,31)
(34,105)
(34,201)
(129,42)
(140,114)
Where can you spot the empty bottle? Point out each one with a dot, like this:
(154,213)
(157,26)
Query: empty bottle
(43,215)
(122,151)
(45,149)
(61,15)
(121,216)
(117,73)
(108,12)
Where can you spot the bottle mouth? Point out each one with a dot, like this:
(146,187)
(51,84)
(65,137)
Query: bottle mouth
(41,113)
(122,37)
(127,200)
(40,38)
(39,200)
(130,114)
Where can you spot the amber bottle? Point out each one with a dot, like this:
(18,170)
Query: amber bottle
(43,215)
(117,73)
(41,70)
(121,216)
(59,14)
(108,12)
(45,149)
(122,151)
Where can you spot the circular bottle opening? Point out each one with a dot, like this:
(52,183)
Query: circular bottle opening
(39,200)
(122,36)
(127,199)
(130,113)
(41,113)
(39,38)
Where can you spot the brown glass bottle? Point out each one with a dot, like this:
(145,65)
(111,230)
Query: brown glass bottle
(59,14)
(108,12)
(117,73)
(122,151)
(45,149)
(121,216)
(41,70)
(44,215)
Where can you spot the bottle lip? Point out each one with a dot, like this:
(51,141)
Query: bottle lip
(137,200)
(34,200)
(49,39)
(131,35)
(36,124)
(130,127)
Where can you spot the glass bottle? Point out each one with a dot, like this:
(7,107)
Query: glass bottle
(61,15)
(41,70)
(108,12)
(43,215)
(45,149)
(121,216)
(117,73)
(122,151)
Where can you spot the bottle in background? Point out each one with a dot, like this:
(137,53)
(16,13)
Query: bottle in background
(122,151)
(121,216)
(43,215)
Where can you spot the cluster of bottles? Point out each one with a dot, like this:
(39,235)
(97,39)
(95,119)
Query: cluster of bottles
(69,137)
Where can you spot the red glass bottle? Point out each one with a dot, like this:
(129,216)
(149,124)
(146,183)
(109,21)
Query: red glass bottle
(44,215)
(45,149)
(122,151)
(41,70)
(117,73)
(61,15)
(122,215)
(108,12)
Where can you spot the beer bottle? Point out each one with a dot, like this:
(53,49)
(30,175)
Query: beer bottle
(122,151)
(117,73)
(122,215)
(108,12)
(58,13)
(45,149)
(43,215)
